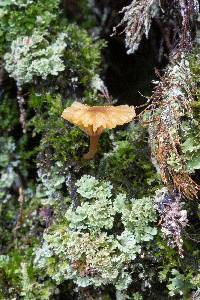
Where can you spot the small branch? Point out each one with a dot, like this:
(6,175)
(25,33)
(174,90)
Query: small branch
(20,215)
(21,102)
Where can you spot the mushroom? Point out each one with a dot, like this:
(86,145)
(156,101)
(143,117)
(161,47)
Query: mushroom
(94,119)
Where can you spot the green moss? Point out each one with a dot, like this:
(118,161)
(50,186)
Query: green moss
(8,115)
(65,141)
(17,271)
(136,174)
(190,127)
(19,20)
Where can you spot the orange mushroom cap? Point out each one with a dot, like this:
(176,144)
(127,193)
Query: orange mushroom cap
(94,119)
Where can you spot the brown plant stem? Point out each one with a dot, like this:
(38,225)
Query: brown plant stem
(21,102)
(94,139)
(20,216)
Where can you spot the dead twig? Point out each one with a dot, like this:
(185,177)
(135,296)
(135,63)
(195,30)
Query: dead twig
(20,215)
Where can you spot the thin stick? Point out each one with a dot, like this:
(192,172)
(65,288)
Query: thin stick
(20,215)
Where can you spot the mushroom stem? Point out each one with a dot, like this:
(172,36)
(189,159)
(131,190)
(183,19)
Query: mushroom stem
(94,139)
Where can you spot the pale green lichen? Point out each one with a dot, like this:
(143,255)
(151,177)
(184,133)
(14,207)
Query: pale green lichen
(93,216)
(82,249)
(34,55)
(137,215)
(96,210)
(49,185)
(87,259)
(89,187)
